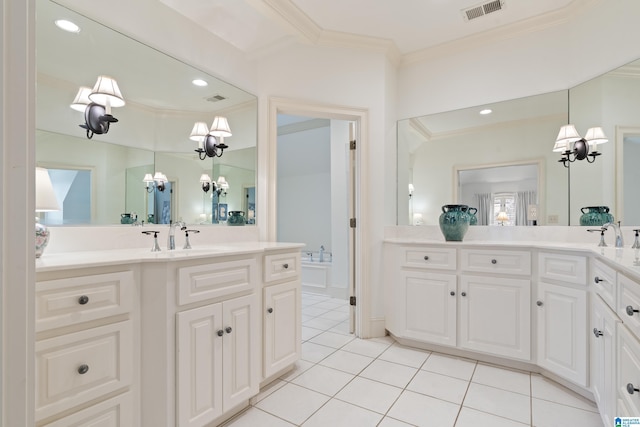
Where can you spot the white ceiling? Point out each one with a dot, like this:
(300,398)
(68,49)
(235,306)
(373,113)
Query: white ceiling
(405,26)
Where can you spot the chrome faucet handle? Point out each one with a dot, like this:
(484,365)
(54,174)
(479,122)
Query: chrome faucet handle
(187,245)
(156,247)
(636,242)
(601,230)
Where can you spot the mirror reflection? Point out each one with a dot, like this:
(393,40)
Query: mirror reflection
(493,147)
(102,180)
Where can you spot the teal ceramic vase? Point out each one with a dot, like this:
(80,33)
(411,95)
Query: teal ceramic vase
(126,218)
(454,222)
(236,218)
(595,216)
(473,219)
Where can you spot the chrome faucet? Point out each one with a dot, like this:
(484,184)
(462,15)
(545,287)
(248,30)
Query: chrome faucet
(321,256)
(618,231)
(171,240)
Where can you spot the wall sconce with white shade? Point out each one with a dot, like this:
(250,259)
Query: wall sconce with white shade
(96,104)
(574,147)
(211,140)
(158,181)
(205,182)
(222,186)
(46,201)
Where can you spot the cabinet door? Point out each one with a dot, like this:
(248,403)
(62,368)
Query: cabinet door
(562,331)
(628,375)
(199,365)
(603,363)
(241,350)
(282,326)
(495,316)
(426,307)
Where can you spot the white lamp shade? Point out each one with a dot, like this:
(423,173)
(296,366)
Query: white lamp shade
(199,131)
(160,177)
(411,188)
(46,200)
(220,127)
(596,136)
(106,90)
(204,178)
(81,100)
(222,183)
(147,178)
(502,216)
(566,136)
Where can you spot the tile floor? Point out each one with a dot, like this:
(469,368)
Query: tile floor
(344,381)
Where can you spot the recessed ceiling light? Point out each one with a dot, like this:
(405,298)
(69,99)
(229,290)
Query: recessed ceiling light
(199,82)
(69,26)
(485,112)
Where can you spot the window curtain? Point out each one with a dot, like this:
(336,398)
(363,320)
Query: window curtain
(484,202)
(523,200)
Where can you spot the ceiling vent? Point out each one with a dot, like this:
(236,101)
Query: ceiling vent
(216,98)
(482,9)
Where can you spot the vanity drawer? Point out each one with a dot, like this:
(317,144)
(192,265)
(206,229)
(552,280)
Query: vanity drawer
(114,412)
(284,266)
(603,278)
(628,303)
(430,258)
(565,268)
(628,370)
(209,281)
(76,368)
(495,261)
(64,302)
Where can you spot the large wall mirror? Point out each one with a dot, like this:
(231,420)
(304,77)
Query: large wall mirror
(100,180)
(451,157)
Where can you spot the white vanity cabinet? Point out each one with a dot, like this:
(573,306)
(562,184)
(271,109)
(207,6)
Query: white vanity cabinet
(85,357)
(561,311)
(282,312)
(628,358)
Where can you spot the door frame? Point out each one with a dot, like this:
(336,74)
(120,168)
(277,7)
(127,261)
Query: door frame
(361,118)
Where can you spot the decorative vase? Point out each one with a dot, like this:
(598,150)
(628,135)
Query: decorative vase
(236,218)
(595,216)
(454,222)
(126,218)
(42,238)
(473,219)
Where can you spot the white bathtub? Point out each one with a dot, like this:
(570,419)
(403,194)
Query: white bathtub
(316,276)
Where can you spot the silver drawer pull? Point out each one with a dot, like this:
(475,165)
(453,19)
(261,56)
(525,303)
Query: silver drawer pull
(220,333)
(539,303)
(597,333)
(598,280)
(426,257)
(464,294)
(630,310)
(83,369)
(453,294)
(285,266)
(269,310)
(631,389)
(494,261)
(228,329)
(83,300)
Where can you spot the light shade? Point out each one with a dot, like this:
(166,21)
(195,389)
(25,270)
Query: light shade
(199,131)
(596,136)
(502,216)
(160,177)
(220,127)
(46,200)
(106,90)
(81,100)
(222,183)
(411,188)
(148,178)
(204,178)
(566,136)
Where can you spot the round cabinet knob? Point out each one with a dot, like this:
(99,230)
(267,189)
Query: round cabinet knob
(464,294)
(631,389)
(285,265)
(539,303)
(83,300)
(269,310)
(83,369)
(426,258)
(598,280)
(220,333)
(228,329)
(452,293)
(630,310)
(494,261)
(597,333)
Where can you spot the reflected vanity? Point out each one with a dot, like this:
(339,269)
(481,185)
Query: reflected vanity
(102,179)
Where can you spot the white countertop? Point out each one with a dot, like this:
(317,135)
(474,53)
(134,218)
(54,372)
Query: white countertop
(84,259)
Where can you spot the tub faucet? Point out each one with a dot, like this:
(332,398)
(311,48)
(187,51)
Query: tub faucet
(618,231)
(321,256)
(171,241)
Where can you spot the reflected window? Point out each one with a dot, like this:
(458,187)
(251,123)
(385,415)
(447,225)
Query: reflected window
(504,202)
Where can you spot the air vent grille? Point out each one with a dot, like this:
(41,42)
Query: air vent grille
(482,9)
(216,98)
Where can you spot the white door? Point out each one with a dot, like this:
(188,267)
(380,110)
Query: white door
(426,307)
(241,350)
(494,316)
(282,326)
(199,365)
(562,331)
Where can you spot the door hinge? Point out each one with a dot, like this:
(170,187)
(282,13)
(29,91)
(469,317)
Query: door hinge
(352,222)
(352,145)
(352,300)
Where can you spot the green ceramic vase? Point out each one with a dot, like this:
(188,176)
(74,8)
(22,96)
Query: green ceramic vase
(595,216)
(454,222)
